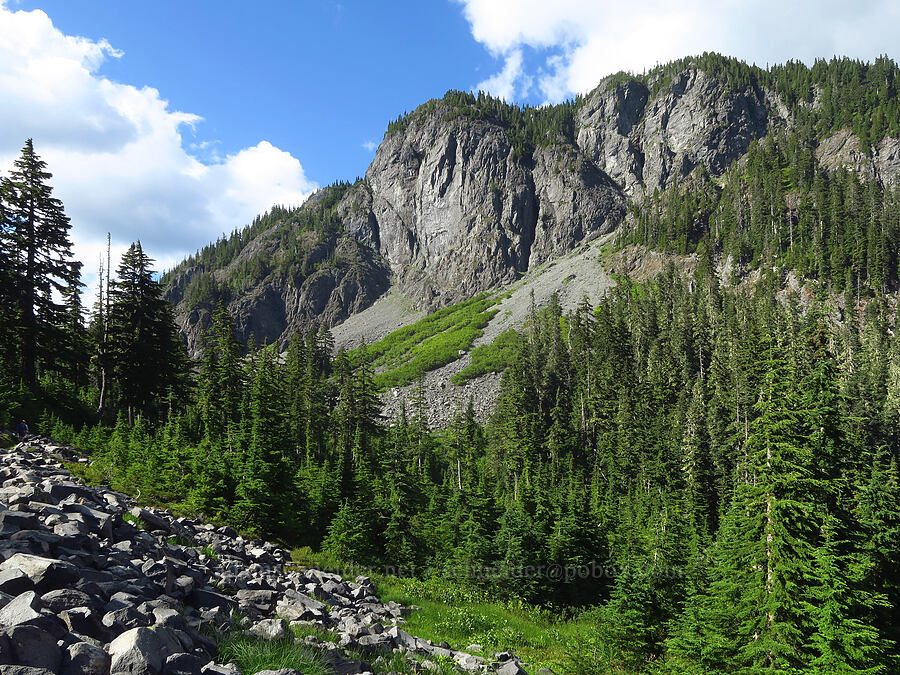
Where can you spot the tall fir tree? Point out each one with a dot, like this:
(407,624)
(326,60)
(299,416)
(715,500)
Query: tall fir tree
(149,359)
(38,252)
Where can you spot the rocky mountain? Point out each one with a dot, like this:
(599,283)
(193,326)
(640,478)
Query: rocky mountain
(467,193)
(91,583)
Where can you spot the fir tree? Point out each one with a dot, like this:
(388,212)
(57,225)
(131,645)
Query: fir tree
(38,252)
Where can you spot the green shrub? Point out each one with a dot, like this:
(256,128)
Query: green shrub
(404,355)
(492,358)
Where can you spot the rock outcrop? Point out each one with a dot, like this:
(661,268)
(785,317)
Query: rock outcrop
(644,141)
(91,583)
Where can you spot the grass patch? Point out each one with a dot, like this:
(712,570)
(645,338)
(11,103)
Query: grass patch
(432,342)
(209,552)
(305,557)
(463,616)
(303,631)
(179,540)
(129,517)
(492,358)
(254,654)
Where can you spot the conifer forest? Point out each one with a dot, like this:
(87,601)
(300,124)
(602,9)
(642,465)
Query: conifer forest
(706,461)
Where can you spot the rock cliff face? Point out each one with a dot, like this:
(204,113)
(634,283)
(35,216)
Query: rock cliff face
(644,141)
(458,212)
(464,196)
(843,150)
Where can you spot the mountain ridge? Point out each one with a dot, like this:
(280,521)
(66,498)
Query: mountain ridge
(467,194)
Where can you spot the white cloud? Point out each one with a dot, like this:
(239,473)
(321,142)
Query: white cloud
(503,84)
(371,146)
(590,40)
(119,159)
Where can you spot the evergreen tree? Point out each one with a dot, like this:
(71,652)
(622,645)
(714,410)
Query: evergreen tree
(149,359)
(38,264)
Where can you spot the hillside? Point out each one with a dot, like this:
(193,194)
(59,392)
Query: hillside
(467,193)
(663,423)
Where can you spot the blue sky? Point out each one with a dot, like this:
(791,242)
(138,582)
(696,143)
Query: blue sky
(173,122)
(318,79)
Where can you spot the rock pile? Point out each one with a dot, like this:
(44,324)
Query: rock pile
(91,583)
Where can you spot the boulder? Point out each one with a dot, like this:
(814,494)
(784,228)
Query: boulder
(150,520)
(183,664)
(84,658)
(271,629)
(138,651)
(14,582)
(511,667)
(22,609)
(13,521)
(45,573)
(218,669)
(65,598)
(203,598)
(32,646)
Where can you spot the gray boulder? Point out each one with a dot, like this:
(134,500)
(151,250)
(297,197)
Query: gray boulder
(45,573)
(65,598)
(183,664)
(32,646)
(21,609)
(218,669)
(511,667)
(271,629)
(138,651)
(83,658)
(14,582)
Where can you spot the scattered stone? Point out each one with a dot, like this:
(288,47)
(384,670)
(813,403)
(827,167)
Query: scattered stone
(271,629)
